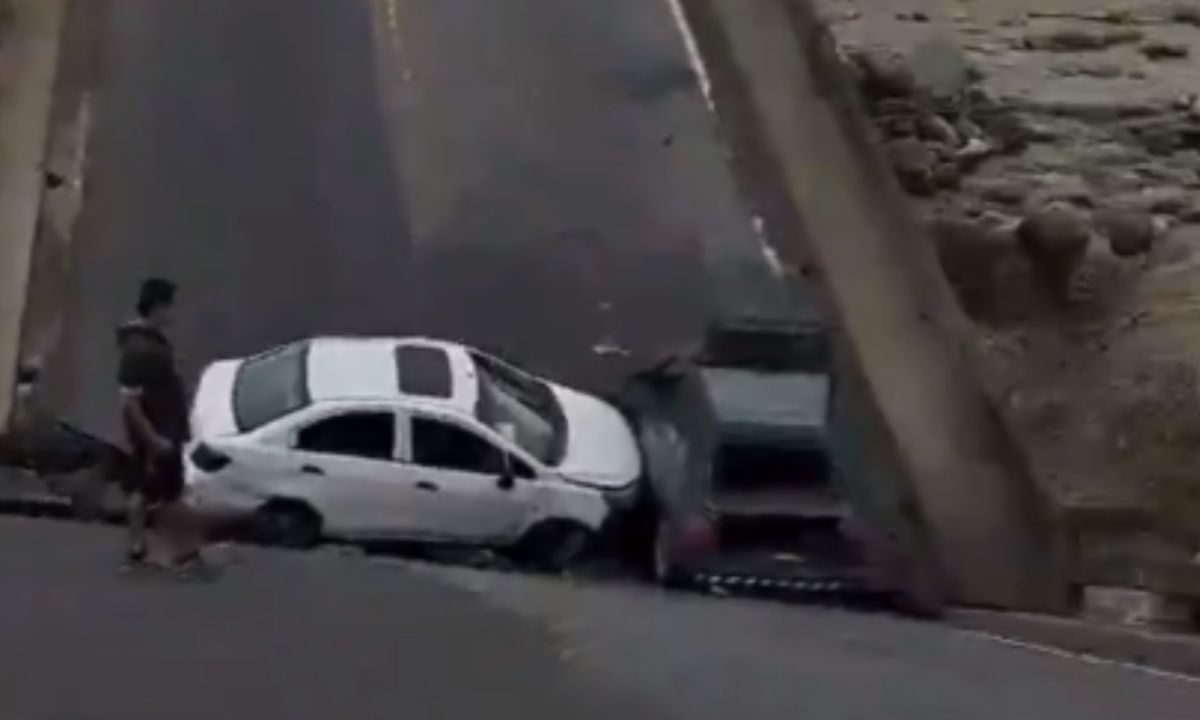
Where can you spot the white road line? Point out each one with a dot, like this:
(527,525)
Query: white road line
(1084,657)
(774,262)
(693,51)
(393,19)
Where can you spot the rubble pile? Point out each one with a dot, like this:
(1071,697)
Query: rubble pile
(1053,149)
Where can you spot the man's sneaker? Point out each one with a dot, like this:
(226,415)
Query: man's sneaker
(137,562)
(136,554)
(194,567)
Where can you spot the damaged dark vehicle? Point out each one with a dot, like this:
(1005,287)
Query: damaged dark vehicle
(743,494)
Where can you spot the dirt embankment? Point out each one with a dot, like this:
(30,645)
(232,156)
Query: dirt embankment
(1053,148)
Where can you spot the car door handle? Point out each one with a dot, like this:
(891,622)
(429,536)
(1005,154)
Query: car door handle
(312,470)
(427,486)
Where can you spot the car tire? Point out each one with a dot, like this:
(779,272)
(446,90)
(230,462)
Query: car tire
(662,565)
(554,546)
(286,523)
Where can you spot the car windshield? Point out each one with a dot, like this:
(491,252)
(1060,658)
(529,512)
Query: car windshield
(510,397)
(270,386)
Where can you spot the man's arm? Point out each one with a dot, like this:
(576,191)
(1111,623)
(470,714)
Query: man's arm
(142,428)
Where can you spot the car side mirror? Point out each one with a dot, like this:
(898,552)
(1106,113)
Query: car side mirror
(506,481)
(508,431)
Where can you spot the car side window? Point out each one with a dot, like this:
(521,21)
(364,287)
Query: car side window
(369,435)
(438,444)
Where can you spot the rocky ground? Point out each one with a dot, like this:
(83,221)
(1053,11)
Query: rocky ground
(1053,147)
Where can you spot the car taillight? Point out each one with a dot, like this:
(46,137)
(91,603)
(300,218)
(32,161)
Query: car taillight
(209,460)
(697,537)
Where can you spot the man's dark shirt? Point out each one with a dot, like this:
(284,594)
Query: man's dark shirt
(147,371)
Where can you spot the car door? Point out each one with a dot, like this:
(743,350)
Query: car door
(471,489)
(345,463)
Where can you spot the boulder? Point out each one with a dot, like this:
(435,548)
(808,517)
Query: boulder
(1183,240)
(1080,39)
(967,129)
(1161,140)
(1056,238)
(1185,234)
(1002,191)
(1160,50)
(1118,16)
(970,253)
(937,129)
(896,106)
(884,73)
(1177,245)
(1008,129)
(1129,232)
(946,176)
(1059,188)
(1163,200)
(914,163)
(899,127)
(1103,70)
(971,155)
(1186,14)
(939,68)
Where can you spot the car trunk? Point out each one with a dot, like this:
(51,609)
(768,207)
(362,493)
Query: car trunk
(778,515)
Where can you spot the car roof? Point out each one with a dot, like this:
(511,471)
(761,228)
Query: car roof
(433,373)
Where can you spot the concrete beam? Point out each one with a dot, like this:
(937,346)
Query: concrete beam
(808,161)
(28,64)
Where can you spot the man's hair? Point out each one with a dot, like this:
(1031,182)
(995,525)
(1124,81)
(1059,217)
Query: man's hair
(155,293)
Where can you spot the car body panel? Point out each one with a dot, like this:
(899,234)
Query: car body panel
(602,451)
(365,369)
(212,404)
(783,408)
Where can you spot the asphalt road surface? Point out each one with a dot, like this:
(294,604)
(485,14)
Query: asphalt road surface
(538,176)
(324,635)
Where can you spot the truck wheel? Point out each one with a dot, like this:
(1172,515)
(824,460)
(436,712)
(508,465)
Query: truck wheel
(286,523)
(663,566)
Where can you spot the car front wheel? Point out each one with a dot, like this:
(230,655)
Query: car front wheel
(555,546)
(286,523)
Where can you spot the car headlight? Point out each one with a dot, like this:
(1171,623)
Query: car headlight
(209,460)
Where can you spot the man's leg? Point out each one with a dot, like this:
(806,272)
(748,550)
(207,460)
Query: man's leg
(180,528)
(136,522)
(178,524)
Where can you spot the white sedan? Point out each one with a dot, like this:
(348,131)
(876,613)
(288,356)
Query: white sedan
(407,439)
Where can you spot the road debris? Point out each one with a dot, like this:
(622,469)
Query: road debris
(609,348)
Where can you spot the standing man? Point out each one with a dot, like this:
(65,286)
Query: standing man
(154,411)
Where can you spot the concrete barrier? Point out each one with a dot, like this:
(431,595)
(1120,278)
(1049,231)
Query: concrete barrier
(28,64)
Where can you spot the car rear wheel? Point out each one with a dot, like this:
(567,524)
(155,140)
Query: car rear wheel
(287,523)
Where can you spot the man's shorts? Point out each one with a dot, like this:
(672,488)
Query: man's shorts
(161,483)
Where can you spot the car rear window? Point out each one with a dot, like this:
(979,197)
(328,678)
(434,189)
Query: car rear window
(271,386)
(423,371)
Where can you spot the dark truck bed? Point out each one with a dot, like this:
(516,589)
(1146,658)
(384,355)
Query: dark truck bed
(738,435)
